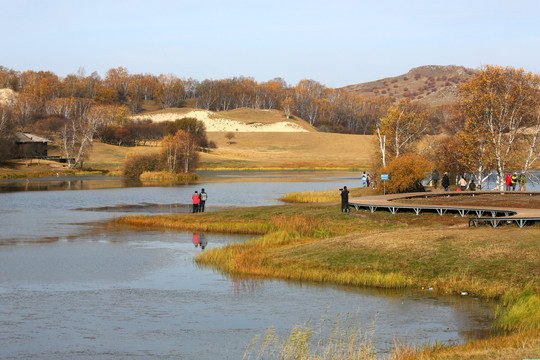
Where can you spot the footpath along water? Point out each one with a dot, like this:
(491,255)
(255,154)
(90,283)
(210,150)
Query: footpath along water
(72,288)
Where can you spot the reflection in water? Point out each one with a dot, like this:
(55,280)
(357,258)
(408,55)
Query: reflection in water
(200,240)
(203,242)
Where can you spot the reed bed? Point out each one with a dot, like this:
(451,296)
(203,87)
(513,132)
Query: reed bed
(324,196)
(183,223)
(519,311)
(168,176)
(341,338)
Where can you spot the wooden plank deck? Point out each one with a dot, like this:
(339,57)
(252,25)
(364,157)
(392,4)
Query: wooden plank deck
(498,215)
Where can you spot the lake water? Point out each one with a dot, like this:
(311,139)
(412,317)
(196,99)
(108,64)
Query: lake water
(73,288)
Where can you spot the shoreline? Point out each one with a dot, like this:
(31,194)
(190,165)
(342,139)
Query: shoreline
(310,248)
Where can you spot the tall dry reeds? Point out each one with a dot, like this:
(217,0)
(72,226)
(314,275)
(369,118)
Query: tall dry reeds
(341,338)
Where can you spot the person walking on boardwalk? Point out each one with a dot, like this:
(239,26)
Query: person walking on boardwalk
(195,201)
(364,179)
(435,178)
(202,200)
(522,182)
(514,181)
(445,181)
(344,199)
(472,185)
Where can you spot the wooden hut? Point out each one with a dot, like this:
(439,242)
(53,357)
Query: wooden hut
(31,146)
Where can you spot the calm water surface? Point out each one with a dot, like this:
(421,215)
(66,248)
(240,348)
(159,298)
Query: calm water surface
(72,288)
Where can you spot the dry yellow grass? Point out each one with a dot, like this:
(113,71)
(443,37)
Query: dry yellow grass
(281,150)
(290,150)
(111,157)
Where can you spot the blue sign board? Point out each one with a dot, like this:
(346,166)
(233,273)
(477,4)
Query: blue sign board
(384,177)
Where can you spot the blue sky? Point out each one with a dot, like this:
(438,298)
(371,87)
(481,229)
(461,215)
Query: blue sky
(336,42)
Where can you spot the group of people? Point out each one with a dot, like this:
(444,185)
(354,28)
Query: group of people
(367,180)
(511,181)
(198,200)
(445,182)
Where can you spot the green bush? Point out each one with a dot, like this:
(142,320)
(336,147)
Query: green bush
(136,164)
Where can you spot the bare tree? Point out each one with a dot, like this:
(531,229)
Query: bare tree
(78,133)
(229,136)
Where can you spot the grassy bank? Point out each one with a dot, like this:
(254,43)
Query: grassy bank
(324,196)
(316,242)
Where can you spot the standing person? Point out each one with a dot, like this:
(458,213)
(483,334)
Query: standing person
(195,200)
(344,199)
(445,181)
(522,182)
(514,181)
(435,178)
(364,179)
(508,181)
(368,180)
(472,185)
(462,183)
(202,200)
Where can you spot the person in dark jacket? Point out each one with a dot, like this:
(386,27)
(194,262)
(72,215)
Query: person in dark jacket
(202,200)
(344,199)
(514,181)
(445,181)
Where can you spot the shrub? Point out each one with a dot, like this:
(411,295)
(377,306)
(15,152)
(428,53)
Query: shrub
(406,173)
(136,164)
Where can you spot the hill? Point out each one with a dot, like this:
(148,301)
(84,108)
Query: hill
(432,85)
(267,139)
(292,150)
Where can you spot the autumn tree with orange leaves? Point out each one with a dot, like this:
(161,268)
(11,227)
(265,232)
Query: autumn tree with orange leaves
(180,151)
(400,129)
(498,105)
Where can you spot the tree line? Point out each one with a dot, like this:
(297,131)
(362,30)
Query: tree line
(494,126)
(329,109)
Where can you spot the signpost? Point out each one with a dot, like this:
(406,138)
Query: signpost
(384,177)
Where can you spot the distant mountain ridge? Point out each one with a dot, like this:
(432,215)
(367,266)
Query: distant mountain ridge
(432,85)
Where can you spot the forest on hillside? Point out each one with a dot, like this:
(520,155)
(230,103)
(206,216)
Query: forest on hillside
(43,94)
(493,126)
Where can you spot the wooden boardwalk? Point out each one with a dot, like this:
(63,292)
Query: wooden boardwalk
(490,215)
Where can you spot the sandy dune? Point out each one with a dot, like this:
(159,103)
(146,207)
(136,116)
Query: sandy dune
(215,124)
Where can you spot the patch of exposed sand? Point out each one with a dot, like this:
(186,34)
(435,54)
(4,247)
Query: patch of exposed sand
(215,124)
(7,96)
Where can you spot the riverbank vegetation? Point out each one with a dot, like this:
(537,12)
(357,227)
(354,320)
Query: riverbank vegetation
(316,242)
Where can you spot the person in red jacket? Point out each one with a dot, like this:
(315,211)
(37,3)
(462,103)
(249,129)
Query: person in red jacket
(195,200)
(508,182)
